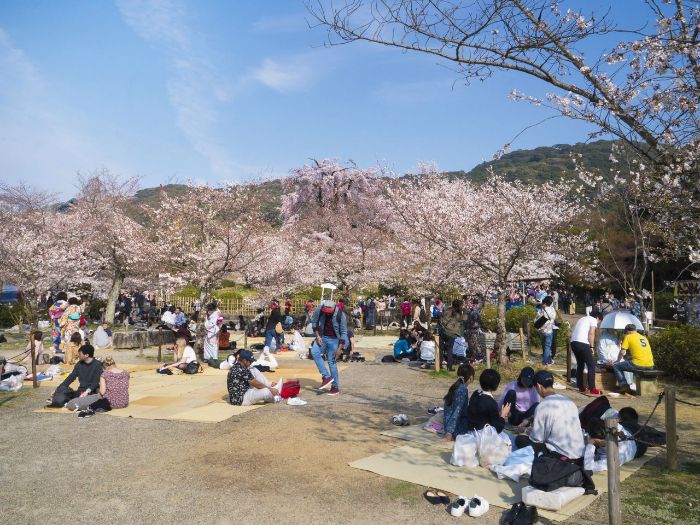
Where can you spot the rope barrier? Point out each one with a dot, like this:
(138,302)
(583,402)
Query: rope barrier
(687,403)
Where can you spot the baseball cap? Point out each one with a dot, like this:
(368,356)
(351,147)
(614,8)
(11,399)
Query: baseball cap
(246,354)
(328,306)
(544,378)
(526,376)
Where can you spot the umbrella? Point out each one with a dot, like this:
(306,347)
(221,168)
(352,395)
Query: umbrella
(618,319)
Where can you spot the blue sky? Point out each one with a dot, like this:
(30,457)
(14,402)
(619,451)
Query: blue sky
(218,90)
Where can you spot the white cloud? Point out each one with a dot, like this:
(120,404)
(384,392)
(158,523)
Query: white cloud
(291,75)
(195,88)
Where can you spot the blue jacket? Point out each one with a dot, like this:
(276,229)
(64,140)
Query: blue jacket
(401,346)
(340,323)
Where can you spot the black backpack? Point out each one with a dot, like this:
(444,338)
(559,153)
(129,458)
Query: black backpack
(551,471)
(423,316)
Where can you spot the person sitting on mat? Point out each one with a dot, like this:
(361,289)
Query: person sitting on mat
(522,397)
(595,458)
(456,404)
(243,388)
(402,349)
(113,391)
(184,354)
(87,371)
(483,409)
(556,424)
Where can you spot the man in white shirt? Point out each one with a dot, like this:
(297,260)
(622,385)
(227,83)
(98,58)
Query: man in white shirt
(555,424)
(582,345)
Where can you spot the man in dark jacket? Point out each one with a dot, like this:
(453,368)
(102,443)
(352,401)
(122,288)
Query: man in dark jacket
(270,332)
(87,371)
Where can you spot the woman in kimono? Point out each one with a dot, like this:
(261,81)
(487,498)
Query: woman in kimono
(211,337)
(55,314)
(70,320)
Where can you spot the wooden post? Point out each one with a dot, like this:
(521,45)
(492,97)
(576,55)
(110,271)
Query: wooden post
(141,345)
(568,362)
(35,382)
(488,352)
(522,344)
(653,301)
(438,354)
(671,443)
(614,509)
(160,344)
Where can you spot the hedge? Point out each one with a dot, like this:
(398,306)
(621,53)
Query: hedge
(677,352)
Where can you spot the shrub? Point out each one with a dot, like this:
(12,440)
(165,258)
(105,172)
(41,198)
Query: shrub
(8,315)
(665,305)
(489,316)
(677,351)
(514,317)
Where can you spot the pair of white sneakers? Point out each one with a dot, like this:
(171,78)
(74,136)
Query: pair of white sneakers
(475,507)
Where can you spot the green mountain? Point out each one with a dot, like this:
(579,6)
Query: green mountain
(533,166)
(546,163)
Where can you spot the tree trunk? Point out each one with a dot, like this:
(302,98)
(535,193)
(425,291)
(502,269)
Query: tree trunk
(112,297)
(500,344)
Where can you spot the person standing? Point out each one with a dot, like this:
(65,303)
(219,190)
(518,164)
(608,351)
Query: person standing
(55,313)
(452,327)
(582,344)
(588,302)
(212,326)
(405,313)
(271,326)
(547,329)
(473,325)
(330,325)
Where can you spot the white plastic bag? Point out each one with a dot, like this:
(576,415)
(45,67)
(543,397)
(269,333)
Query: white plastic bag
(464,451)
(54,371)
(12,383)
(435,424)
(493,449)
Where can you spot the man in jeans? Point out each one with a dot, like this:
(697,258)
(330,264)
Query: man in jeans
(330,327)
(641,357)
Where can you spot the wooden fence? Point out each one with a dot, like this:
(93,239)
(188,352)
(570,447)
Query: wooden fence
(230,307)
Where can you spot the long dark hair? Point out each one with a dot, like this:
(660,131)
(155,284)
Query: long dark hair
(464,373)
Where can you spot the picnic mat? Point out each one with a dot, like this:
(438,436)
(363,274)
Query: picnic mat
(429,466)
(198,397)
(181,397)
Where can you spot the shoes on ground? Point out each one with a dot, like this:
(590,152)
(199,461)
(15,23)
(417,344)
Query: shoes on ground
(333,391)
(478,506)
(86,413)
(400,420)
(326,384)
(459,506)
(296,401)
(595,392)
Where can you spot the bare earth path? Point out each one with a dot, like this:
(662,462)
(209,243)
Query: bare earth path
(277,464)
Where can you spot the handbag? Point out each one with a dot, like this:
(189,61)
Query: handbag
(542,320)
(192,367)
(278,328)
(290,388)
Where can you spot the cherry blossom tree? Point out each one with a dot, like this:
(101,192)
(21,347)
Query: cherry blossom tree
(121,247)
(210,233)
(339,217)
(491,234)
(36,247)
(644,89)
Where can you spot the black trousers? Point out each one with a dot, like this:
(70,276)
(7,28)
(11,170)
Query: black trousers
(516,416)
(584,356)
(446,344)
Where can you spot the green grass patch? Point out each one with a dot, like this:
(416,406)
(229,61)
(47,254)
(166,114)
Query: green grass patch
(404,491)
(660,496)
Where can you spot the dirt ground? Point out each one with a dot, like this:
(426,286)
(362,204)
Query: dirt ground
(278,464)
